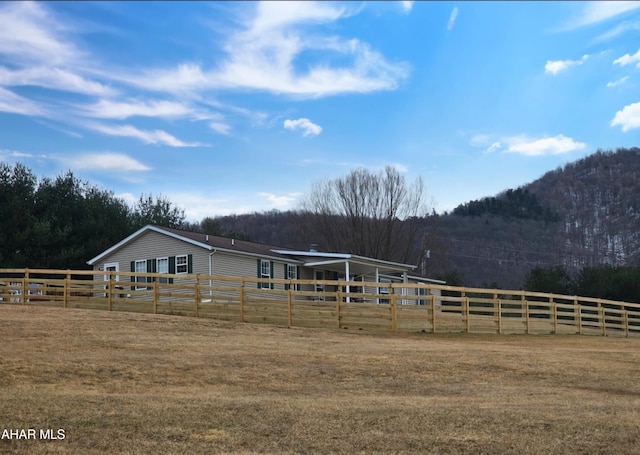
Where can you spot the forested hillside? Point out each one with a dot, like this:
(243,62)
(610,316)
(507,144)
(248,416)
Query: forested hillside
(584,214)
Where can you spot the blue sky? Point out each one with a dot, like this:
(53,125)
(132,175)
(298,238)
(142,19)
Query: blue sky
(235,107)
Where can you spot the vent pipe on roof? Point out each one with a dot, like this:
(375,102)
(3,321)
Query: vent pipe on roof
(313,248)
(233,242)
(206,238)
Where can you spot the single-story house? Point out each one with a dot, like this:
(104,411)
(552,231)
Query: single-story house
(158,249)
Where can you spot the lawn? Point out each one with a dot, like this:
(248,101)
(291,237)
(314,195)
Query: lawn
(136,383)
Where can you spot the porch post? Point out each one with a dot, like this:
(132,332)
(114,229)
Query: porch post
(405,291)
(346,274)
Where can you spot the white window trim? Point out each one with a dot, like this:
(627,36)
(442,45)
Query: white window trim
(263,275)
(141,261)
(293,268)
(185,265)
(108,265)
(166,259)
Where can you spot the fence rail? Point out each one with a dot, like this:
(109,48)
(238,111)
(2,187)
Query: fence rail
(396,307)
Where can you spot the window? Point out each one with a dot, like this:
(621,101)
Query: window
(265,272)
(181,264)
(291,273)
(162,266)
(141,266)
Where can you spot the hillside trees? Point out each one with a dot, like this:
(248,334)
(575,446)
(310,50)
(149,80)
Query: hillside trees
(159,210)
(62,222)
(365,213)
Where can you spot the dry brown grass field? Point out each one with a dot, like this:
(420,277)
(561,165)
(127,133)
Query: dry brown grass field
(144,384)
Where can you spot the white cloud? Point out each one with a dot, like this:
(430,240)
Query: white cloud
(615,83)
(107,161)
(16,104)
(407,5)
(452,18)
(594,12)
(149,137)
(555,66)
(280,202)
(493,147)
(626,59)
(54,78)
(123,110)
(220,128)
(526,145)
(28,32)
(307,126)
(263,56)
(628,118)
(617,31)
(556,145)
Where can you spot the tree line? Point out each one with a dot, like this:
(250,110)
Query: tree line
(63,222)
(604,281)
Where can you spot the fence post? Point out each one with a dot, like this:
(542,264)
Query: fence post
(552,314)
(25,286)
(468,315)
(602,315)
(338,304)
(626,322)
(525,308)
(394,321)
(243,283)
(499,314)
(65,290)
(433,311)
(578,314)
(290,304)
(197,295)
(110,291)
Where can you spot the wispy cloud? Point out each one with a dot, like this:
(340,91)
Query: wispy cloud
(616,31)
(556,145)
(307,126)
(29,33)
(280,202)
(16,104)
(125,109)
(148,137)
(594,12)
(556,66)
(628,118)
(265,53)
(526,145)
(452,18)
(617,82)
(53,78)
(627,59)
(220,128)
(107,161)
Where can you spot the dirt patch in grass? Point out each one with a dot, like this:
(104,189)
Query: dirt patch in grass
(134,383)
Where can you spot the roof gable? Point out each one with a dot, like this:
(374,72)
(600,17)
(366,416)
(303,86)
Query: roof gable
(204,241)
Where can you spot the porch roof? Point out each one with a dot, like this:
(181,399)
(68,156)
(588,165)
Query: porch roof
(358,265)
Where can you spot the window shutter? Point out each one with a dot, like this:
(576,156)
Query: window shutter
(271,272)
(150,266)
(133,278)
(286,276)
(190,263)
(297,286)
(172,267)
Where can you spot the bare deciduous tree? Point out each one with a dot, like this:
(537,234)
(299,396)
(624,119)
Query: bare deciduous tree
(366,213)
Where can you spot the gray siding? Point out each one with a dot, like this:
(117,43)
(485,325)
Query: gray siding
(152,245)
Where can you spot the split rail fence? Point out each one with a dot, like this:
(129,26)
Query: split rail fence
(357,305)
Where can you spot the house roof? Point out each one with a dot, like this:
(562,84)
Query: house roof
(329,261)
(205,241)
